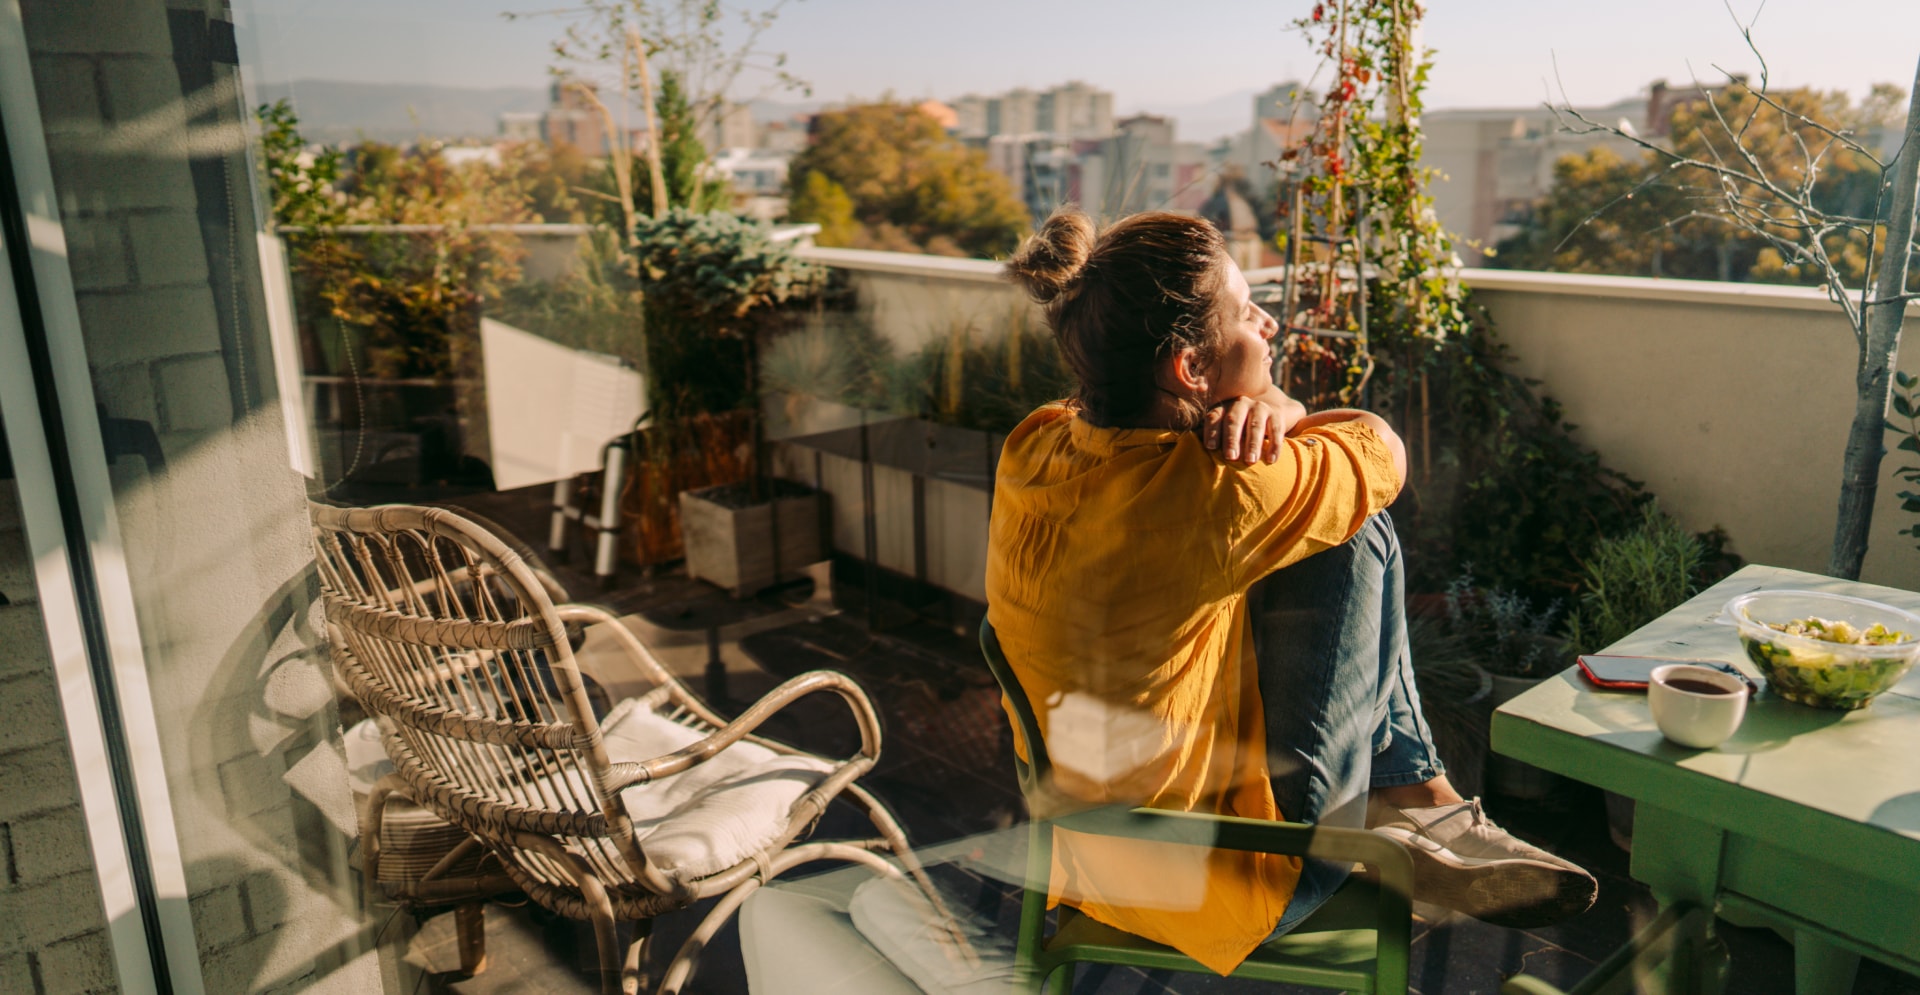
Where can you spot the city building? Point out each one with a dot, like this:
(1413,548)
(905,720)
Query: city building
(1143,168)
(732,128)
(1283,116)
(1493,164)
(1041,168)
(970,113)
(1075,110)
(572,117)
(785,137)
(752,171)
(520,126)
(1015,112)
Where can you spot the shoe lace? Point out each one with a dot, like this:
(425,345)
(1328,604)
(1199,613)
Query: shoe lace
(1476,819)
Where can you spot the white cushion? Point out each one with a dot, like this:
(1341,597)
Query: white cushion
(797,944)
(899,921)
(712,816)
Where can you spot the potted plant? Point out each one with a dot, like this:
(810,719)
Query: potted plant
(714,284)
(1514,640)
(1453,693)
(1630,580)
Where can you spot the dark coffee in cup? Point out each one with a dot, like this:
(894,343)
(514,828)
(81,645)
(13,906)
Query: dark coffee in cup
(1697,687)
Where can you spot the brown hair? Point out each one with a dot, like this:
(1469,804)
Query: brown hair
(1122,300)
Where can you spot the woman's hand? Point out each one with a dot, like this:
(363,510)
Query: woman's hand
(1249,429)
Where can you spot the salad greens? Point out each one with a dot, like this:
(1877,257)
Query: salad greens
(1837,678)
(1842,631)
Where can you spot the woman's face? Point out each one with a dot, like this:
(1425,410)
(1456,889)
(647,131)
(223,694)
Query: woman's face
(1244,366)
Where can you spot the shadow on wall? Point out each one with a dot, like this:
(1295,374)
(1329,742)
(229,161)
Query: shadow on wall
(283,909)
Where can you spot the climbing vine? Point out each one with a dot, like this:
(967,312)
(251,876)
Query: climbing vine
(1496,479)
(1363,158)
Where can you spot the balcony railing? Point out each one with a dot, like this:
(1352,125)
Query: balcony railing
(1730,401)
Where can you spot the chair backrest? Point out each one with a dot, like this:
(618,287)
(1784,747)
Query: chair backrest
(442,629)
(1035,770)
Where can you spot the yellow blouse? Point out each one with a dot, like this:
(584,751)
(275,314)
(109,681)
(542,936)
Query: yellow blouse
(1117,568)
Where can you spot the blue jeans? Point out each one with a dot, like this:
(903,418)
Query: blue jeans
(1336,681)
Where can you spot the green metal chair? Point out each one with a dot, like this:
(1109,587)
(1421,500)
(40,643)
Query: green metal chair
(1357,942)
(1676,954)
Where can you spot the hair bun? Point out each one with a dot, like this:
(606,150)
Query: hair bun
(1051,261)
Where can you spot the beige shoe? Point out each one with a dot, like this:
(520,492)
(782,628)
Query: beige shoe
(1462,861)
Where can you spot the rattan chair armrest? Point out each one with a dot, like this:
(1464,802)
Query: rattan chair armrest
(625,775)
(1227,832)
(641,656)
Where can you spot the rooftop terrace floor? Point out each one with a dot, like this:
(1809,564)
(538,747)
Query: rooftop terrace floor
(947,772)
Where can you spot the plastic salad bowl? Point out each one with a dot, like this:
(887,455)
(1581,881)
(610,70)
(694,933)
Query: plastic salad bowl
(1819,671)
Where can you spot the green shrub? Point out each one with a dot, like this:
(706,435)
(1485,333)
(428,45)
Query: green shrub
(1633,578)
(1504,629)
(712,282)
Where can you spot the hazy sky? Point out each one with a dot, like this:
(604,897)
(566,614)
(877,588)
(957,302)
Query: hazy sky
(1150,53)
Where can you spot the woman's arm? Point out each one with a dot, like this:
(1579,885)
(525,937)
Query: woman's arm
(1371,420)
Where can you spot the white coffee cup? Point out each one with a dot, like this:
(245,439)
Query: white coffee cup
(1697,707)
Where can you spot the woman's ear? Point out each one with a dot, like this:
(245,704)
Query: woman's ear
(1188,377)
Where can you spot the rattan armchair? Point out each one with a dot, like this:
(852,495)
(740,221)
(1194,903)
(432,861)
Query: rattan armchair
(440,628)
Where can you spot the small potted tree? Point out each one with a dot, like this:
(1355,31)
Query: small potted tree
(714,285)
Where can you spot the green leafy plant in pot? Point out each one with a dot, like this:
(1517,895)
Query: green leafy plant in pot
(715,284)
(1453,692)
(1512,637)
(1630,580)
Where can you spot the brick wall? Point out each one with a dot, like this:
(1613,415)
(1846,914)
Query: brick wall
(52,925)
(160,239)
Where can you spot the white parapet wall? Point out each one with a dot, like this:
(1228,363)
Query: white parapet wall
(1730,401)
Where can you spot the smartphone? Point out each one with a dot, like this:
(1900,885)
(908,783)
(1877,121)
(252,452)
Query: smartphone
(1631,673)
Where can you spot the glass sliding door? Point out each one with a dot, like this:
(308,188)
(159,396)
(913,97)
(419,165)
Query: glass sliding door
(227,859)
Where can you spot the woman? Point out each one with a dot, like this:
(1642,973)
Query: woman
(1218,631)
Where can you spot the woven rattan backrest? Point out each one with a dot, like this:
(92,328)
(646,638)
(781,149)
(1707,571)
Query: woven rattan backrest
(441,628)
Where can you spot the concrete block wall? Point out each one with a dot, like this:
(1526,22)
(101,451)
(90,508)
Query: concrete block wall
(52,924)
(216,544)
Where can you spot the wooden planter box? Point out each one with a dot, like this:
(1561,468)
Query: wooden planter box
(735,548)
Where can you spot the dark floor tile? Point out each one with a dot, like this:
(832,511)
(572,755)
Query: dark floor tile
(935,808)
(1621,910)
(1112,979)
(1879,979)
(1469,957)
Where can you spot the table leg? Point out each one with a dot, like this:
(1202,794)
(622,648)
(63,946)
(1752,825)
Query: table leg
(1821,967)
(1702,960)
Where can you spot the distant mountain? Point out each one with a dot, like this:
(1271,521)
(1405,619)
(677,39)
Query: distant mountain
(765,110)
(338,111)
(1207,121)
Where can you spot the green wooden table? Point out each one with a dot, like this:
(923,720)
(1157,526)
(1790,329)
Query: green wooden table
(1807,820)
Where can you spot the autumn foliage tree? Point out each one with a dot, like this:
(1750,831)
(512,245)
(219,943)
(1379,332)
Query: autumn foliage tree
(1785,187)
(893,172)
(1634,215)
